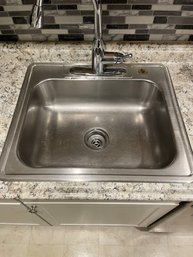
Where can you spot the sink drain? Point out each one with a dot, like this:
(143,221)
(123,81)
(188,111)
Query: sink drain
(96,138)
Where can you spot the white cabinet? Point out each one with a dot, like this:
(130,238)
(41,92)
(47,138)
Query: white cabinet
(14,213)
(139,214)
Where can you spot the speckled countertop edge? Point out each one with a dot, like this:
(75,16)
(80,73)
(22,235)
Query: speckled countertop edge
(15,57)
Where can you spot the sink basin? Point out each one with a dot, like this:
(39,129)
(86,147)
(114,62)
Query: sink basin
(126,124)
(125,128)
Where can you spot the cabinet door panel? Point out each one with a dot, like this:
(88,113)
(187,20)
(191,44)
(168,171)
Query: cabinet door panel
(179,221)
(139,214)
(14,213)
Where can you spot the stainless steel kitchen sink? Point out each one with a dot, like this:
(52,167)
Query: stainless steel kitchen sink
(92,128)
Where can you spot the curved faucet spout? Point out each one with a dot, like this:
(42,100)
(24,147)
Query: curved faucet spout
(37,15)
(98,19)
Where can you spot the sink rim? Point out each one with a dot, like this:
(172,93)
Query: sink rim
(174,112)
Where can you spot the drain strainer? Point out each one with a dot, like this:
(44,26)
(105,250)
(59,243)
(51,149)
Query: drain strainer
(96,138)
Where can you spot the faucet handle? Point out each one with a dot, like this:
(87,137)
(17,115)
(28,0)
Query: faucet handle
(120,57)
(130,55)
(114,57)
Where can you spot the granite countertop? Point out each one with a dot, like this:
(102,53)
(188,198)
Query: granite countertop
(15,57)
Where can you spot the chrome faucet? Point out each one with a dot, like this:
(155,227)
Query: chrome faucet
(101,59)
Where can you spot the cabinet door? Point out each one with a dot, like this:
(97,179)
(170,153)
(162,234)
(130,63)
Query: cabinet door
(14,213)
(139,214)
(180,220)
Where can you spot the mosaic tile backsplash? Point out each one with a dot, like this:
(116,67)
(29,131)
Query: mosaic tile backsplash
(129,20)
